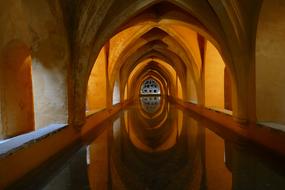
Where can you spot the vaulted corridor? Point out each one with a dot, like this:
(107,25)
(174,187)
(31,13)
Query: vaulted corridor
(134,94)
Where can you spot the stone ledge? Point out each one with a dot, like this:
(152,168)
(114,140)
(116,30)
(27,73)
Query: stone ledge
(272,125)
(228,112)
(9,146)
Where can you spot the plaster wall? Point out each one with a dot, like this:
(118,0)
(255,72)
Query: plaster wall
(118,44)
(270,59)
(17,112)
(214,77)
(97,92)
(189,39)
(10,31)
(45,37)
(50,60)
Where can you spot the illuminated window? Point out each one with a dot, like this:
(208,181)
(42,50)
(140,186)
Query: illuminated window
(150,87)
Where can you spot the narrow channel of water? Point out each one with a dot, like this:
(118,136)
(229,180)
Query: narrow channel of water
(152,145)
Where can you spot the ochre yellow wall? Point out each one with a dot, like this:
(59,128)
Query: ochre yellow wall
(50,59)
(118,44)
(270,62)
(214,77)
(17,111)
(46,39)
(189,39)
(96,93)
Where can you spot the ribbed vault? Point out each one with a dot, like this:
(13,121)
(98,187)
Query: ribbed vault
(176,33)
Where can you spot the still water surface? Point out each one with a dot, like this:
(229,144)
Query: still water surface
(152,145)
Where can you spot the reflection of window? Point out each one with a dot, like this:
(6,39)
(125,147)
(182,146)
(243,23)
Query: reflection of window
(150,104)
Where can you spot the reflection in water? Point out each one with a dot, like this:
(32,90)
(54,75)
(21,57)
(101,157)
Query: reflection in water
(150,104)
(164,150)
(153,146)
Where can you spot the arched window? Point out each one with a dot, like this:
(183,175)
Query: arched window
(150,87)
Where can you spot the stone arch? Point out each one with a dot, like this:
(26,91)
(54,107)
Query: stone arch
(146,74)
(142,70)
(203,14)
(157,76)
(166,76)
(149,52)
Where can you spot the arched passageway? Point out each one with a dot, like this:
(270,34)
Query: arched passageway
(182,53)
(75,64)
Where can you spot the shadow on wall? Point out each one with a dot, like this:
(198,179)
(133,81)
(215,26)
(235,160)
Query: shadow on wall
(17,112)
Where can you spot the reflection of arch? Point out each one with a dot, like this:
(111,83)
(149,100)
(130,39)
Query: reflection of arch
(150,87)
(159,109)
(17,112)
(184,158)
(143,128)
(150,104)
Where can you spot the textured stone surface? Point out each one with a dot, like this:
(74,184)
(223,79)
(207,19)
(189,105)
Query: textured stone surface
(270,78)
